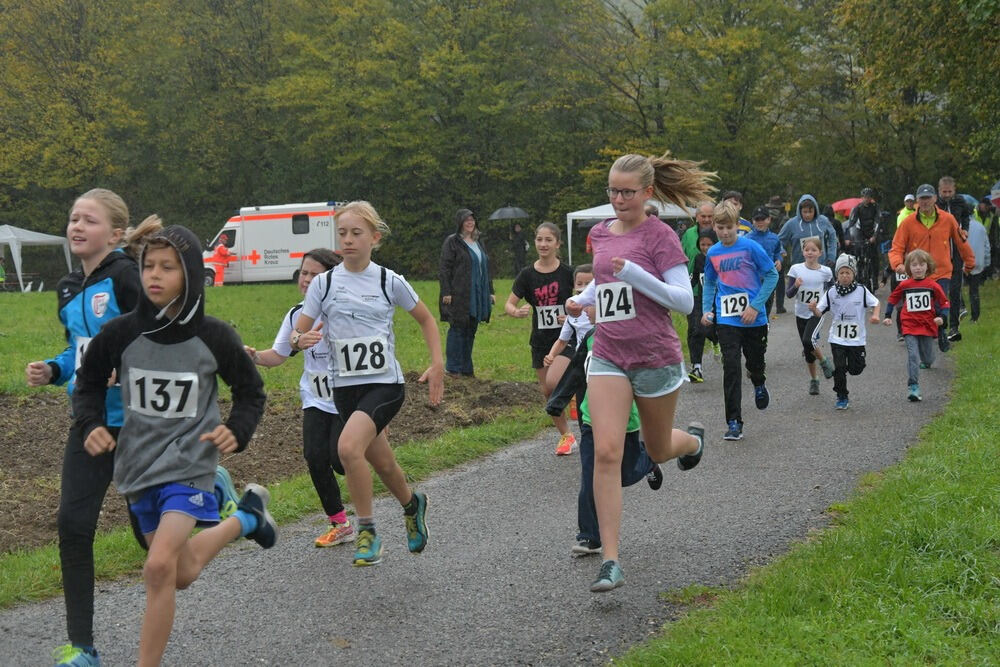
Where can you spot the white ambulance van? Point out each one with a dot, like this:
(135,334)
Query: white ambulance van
(267,242)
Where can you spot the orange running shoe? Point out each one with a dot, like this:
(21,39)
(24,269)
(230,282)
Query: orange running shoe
(338,534)
(573,414)
(567,445)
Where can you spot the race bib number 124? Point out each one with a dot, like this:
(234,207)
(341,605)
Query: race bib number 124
(615,302)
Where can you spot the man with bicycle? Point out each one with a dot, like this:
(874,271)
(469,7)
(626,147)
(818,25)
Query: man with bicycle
(861,238)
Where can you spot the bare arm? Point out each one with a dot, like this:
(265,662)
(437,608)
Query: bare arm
(434,375)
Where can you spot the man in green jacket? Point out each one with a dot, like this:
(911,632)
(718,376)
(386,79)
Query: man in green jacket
(703,216)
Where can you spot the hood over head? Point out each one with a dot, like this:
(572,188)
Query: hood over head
(192,310)
(806,198)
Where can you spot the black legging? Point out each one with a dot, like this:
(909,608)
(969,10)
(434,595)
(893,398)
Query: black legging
(807,326)
(85,481)
(320,433)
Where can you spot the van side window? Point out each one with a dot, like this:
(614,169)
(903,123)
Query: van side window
(300,223)
(225,238)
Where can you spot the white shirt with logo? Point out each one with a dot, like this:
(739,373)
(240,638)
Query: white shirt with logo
(315,385)
(848,325)
(359,315)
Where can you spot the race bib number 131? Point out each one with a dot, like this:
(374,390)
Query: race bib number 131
(548,316)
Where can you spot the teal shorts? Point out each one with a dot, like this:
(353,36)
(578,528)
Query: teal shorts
(646,382)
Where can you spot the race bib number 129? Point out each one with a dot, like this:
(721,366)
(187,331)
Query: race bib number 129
(361,356)
(733,305)
(163,393)
(615,302)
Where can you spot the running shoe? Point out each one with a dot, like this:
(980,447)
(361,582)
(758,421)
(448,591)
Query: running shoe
(924,366)
(899,338)
(842,404)
(367,549)
(735,431)
(254,501)
(655,478)
(338,534)
(761,397)
(225,493)
(567,445)
(963,314)
(68,655)
(814,387)
(695,375)
(943,343)
(586,548)
(780,310)
(914,394)
(716,351)
(954,335)
(609,578)
(827,367)
(416,525)
(689,461)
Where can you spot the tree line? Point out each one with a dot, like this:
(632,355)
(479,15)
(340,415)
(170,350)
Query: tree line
(192,109)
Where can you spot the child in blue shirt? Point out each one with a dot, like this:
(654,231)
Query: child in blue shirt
(769,241)
(739,278)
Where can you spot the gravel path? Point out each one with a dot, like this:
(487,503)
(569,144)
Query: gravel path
(497,583)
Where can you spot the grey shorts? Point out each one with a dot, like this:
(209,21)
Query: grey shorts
(646,382)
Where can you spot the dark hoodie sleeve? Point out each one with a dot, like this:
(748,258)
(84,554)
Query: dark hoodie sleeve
(102,357)
(239,372)
(128,285)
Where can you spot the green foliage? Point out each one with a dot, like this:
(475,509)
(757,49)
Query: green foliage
(193,109)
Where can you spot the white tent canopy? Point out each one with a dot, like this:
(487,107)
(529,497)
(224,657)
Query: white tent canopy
(605,211)
(17,238)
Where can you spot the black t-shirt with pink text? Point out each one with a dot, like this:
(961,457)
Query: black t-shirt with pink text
(546,293)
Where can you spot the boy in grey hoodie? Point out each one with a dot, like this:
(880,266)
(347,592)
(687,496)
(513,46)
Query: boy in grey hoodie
(166,355)
(809,222)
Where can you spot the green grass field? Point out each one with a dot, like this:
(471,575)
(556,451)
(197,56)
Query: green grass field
(30,330)
(908,574)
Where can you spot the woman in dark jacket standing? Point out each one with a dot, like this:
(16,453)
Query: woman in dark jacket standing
(466,291)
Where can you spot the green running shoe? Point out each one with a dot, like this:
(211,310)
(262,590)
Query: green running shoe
(368,548)
(225,493)
(416,525)
(68,655)
(609,578)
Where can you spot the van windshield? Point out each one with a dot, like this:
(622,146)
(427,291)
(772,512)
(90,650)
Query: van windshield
(226,237)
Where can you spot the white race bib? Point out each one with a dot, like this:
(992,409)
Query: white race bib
(615,302)
(163,393)
(319,385)
(548,316)
(808,296)
(918,301)
(81,346)
(361,356)
(733,305)
(846,330)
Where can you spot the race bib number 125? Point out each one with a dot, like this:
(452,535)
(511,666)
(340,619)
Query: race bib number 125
(615,302)
(163,393)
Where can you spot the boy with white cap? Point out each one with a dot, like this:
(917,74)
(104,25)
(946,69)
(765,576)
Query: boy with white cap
(848,302)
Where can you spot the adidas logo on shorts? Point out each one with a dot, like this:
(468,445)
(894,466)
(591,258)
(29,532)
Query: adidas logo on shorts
(198,500)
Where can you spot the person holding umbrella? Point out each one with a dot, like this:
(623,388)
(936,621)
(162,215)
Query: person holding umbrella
(466,291)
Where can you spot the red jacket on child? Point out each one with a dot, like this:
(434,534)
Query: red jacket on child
(922,301)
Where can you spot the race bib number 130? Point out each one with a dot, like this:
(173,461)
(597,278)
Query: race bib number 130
(615,302)
(163,393)
(918,301)
(361,356)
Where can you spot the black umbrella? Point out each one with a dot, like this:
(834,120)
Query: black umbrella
(508,213)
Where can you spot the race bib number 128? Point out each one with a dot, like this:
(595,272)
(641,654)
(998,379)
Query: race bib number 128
(361,356)
(163,393)
(615,302)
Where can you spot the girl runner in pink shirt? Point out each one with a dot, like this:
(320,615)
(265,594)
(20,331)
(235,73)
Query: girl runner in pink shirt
(640,275)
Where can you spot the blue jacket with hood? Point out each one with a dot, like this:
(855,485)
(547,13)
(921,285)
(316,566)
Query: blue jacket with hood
(797,229)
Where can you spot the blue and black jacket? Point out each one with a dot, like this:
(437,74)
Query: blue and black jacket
(87,303)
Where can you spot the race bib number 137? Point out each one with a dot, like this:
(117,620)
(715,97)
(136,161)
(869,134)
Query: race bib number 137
(163,393)
(615,302)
